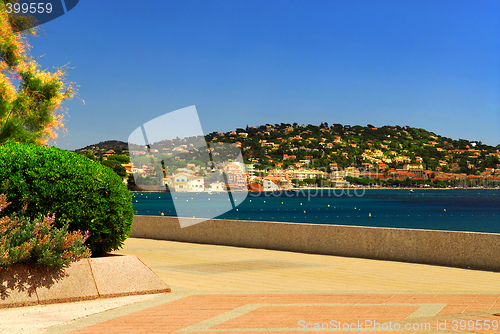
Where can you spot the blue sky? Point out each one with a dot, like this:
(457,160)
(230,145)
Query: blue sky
(430,64)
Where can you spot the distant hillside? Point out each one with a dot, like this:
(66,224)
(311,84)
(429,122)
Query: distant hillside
(294,145)
(119,147)
(344,145)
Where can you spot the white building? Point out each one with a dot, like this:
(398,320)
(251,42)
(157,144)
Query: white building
(217,187)
(270,186)
(187,182)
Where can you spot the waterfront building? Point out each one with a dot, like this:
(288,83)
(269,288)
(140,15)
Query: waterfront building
(187,182)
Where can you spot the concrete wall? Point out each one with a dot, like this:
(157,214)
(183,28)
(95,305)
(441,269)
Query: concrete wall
(456,249)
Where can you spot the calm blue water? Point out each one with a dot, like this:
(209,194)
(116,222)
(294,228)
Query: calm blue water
(454,210)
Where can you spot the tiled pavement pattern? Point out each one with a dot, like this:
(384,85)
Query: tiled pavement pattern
(237,290)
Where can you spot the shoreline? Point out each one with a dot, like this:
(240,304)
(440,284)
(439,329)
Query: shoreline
(326,189)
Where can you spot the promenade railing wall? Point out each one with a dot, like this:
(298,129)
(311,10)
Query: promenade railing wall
(446,248)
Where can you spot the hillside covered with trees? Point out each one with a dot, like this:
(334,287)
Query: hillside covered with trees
(359,146)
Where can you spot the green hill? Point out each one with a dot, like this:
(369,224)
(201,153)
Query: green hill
(346,146)
(327,145)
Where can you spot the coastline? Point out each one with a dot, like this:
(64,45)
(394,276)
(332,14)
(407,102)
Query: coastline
(328,188)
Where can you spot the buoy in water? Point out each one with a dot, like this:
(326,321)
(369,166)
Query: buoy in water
(369,215)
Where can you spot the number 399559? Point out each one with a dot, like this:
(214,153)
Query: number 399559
(472,325)
(32,8)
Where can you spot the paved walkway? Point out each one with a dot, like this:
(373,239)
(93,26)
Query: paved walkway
(240,290)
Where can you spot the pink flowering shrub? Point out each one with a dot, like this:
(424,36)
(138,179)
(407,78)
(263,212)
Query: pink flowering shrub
(37,241)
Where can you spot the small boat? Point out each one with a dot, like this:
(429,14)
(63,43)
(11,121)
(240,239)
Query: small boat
(411,191)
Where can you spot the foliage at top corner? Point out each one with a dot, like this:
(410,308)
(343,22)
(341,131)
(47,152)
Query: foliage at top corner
(30,98)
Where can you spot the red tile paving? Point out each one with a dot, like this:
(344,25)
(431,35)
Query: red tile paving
(288,316)
(236,312)
(236,290)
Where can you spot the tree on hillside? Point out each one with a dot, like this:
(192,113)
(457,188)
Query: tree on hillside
(89,154)
(122,158)
(30,98)
(116,167)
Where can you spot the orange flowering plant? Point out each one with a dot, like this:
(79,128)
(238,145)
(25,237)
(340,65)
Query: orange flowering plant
(24,240)
(30,98)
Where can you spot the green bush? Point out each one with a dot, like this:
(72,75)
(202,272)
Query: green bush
(23,240)
(91,197)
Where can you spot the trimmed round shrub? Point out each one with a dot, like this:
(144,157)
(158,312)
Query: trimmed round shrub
(88,195)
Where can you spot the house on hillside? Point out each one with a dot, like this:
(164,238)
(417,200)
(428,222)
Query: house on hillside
(412,166)
(236,176)
(187,182)
(108,153)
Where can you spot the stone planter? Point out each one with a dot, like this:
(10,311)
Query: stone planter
(103,277)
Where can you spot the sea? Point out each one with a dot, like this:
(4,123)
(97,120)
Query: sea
(474,210)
